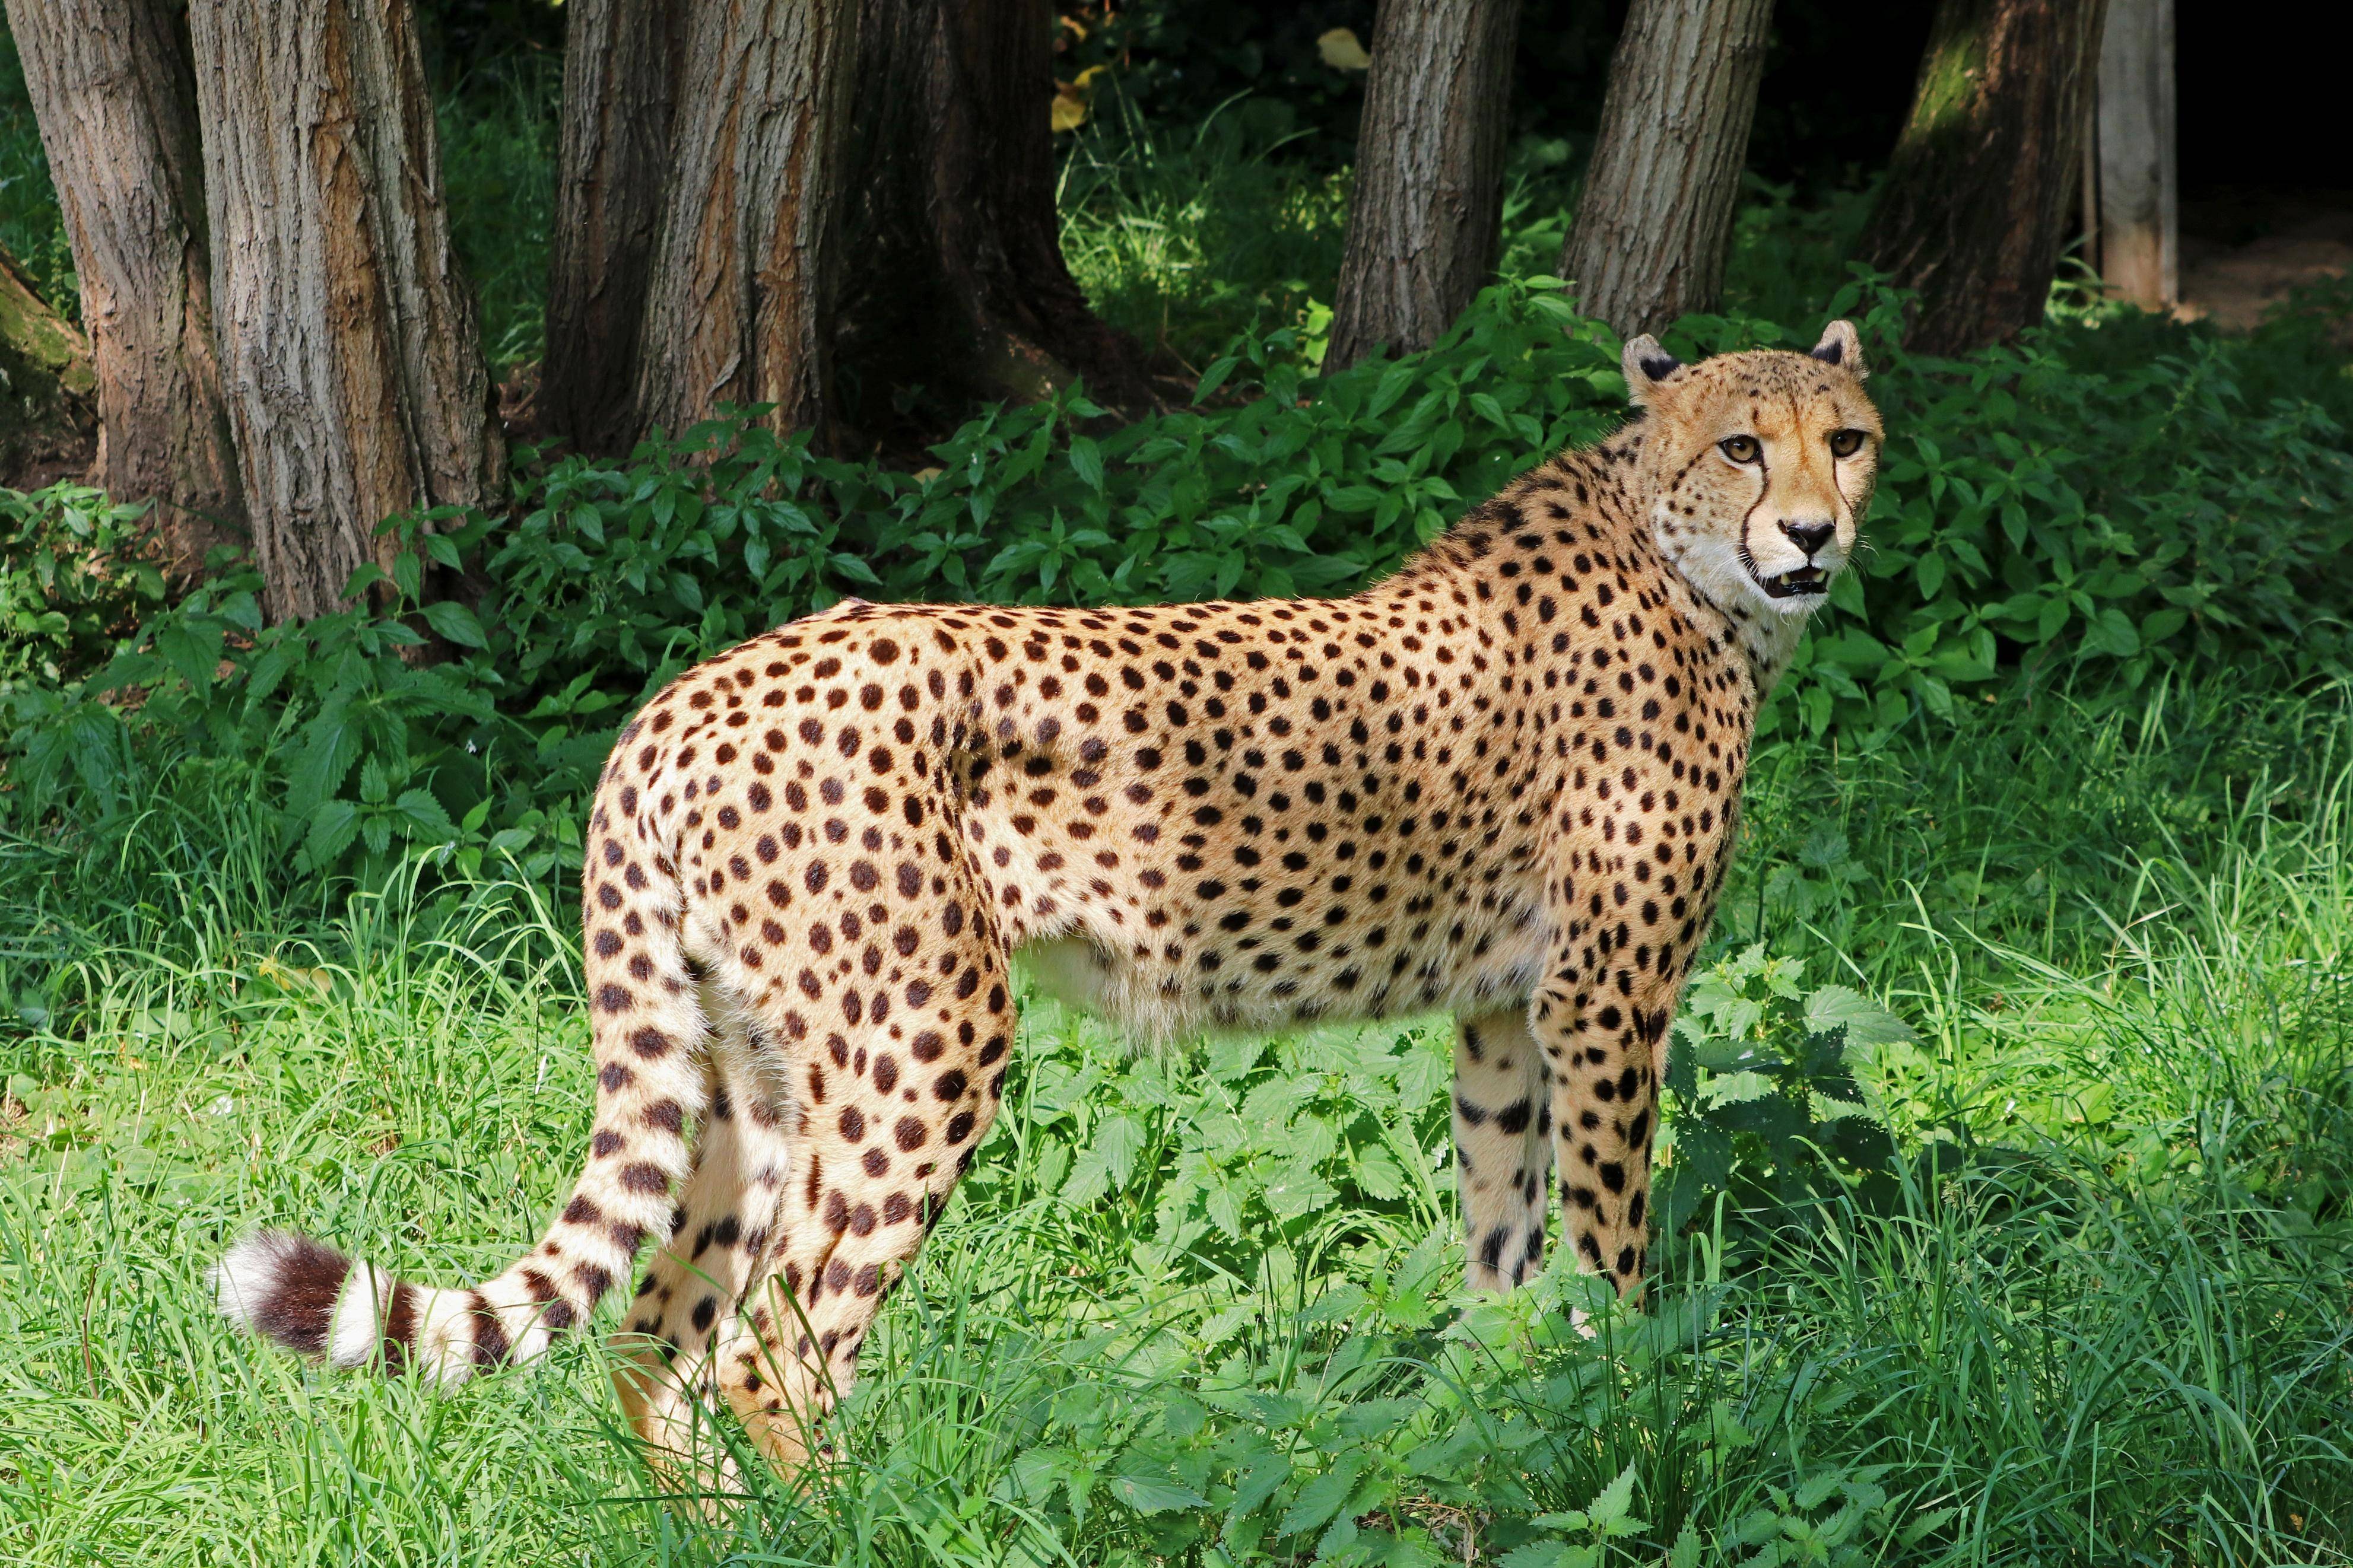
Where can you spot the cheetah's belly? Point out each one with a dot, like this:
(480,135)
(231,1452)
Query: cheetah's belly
(1138,999)
(1141,1000)
(1154,1006)
(1073,972)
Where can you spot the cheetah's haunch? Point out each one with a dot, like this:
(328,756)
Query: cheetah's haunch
(1502,780)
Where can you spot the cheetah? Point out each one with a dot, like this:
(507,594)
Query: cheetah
(1503,781)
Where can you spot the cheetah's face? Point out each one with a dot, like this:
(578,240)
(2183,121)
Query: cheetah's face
(1761,464)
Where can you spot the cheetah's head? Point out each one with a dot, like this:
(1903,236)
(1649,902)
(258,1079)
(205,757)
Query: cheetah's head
(1759,465)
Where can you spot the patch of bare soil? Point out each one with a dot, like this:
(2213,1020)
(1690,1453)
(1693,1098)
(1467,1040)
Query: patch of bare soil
(2242,257)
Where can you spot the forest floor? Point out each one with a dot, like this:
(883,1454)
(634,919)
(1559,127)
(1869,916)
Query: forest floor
(2242,259)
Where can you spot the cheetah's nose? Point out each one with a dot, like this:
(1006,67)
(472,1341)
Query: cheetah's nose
(1808,536)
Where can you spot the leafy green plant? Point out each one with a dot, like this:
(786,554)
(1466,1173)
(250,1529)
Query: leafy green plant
(1767,1107)
(614,578)
(72,583)
(352,750)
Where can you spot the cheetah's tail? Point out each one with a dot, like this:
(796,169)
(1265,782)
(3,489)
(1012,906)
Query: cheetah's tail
(648,1027)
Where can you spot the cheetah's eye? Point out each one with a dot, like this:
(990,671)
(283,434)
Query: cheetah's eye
(1741,448)
(1845,443)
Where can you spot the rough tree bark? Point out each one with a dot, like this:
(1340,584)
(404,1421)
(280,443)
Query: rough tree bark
(739,307)
(1976,207)
(349,347)
(1423,217)
(113,94)
(620,84)
(47,418)
(960,283)
(349,341)
(1649,239)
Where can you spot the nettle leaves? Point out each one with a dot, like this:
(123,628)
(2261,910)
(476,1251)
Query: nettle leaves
(1298,1374)
(1769,1107)
(1258,1142)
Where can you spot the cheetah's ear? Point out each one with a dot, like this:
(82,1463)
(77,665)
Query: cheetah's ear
(1841,347)
(1648,366)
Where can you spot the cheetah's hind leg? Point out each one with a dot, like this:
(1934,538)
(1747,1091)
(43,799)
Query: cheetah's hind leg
(697,1281)
(893,1112)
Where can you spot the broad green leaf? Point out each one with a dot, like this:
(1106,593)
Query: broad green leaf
(456,623)
(1322,1497)
(333,828)
(1086,461)
(1153,1494)
(1379,1175)
(427,817)
(192,647)
(1108,1162)
(1612,1510)
(331,745)
(1866,1023)
(1262,1473)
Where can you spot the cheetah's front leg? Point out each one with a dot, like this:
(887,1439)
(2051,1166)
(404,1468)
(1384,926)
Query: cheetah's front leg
(1503,1147)
(1601,1049)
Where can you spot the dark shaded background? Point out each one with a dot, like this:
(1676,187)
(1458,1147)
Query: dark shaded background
(2266,186)
(2263,108)
(1836,86)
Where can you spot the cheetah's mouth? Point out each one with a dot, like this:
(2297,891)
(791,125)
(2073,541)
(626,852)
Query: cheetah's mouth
(1803,582)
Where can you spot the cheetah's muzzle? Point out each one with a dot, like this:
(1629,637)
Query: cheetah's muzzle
(1503,781)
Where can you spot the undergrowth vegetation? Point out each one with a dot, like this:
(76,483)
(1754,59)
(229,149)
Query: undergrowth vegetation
(2005,1190)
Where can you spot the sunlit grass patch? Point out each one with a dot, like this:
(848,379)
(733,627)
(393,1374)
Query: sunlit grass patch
(1183,235)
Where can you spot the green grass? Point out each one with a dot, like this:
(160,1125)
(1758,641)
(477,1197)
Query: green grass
(497,165)
(2122,932)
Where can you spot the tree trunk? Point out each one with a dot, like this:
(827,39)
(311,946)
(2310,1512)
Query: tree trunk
(961,285)
(46,386)
(1976,201)
(739,310)
(349,347)
(113,90)
(1000,237)
(2133,195)
(620,84)
(1428,202)
(1651,232)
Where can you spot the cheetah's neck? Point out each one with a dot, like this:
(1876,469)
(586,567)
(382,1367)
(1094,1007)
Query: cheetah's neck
(1767,639)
